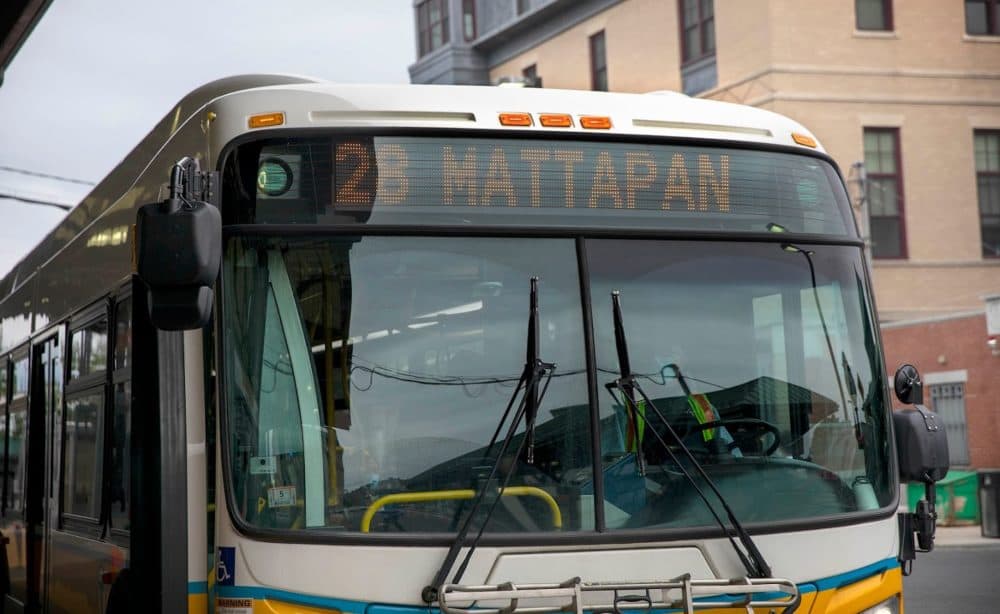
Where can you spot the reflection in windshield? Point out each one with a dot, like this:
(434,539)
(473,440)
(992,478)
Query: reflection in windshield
(365,378)
(362,369)
(734,349)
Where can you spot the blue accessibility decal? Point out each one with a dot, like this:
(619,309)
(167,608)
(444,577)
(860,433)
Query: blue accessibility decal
(225,567)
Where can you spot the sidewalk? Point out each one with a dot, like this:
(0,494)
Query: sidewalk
(963,537)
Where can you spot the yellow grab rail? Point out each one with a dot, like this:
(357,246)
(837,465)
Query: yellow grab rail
(451,495)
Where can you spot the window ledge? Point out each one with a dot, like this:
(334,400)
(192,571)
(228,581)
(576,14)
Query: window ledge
(981,38)
(960,264)
(878,34)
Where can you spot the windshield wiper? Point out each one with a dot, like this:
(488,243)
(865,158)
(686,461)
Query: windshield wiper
(752,558)
(527,409)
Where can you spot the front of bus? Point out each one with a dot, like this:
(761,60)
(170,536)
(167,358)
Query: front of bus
(419,359)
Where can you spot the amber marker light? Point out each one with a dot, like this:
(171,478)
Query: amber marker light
(266,120)
(555,120)
(804,139)
(515,119)
(595,122)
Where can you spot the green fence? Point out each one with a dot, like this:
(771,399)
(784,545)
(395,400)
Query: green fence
(957,498)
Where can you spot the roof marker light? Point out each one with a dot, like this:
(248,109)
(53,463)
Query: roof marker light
(556,120)
(804,139)
(515,119)
(595,122)
(266,120)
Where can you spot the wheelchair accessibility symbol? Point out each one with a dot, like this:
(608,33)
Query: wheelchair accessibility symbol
(225,567)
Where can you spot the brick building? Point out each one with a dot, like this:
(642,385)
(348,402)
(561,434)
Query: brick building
(911,88)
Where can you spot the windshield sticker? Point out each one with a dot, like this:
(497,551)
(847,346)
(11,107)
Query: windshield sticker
(281,496)
(263,465)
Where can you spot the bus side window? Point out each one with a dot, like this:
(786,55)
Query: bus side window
(120,431)
(84,422)
(5,486)
(89,350)
(17,427)
(81,483)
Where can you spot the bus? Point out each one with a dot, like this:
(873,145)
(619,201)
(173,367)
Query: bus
(388,349)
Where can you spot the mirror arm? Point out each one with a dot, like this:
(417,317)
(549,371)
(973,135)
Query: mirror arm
(917,529)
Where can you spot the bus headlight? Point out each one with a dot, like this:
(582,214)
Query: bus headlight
(889,606)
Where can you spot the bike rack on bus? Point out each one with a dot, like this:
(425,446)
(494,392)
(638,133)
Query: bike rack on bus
(681,593)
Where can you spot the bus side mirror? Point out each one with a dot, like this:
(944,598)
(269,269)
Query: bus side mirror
(921,441)
(178,256)
(922,448)
(922,445)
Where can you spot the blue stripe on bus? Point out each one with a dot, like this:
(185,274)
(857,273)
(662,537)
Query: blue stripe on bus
(255,592)
(196,588)
(841,580)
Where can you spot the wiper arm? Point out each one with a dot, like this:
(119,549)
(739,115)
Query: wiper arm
(627,385)
(752,558)
(531,362)
(527,409)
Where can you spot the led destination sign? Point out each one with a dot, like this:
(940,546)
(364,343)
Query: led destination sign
(382,174)
(531,175)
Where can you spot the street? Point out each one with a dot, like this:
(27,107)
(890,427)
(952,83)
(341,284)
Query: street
(955,579)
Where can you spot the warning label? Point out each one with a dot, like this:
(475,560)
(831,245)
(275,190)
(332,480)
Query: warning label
(227,605)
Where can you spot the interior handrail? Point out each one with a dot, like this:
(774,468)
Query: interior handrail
(452,495)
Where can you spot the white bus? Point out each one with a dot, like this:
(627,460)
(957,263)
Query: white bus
(468,348)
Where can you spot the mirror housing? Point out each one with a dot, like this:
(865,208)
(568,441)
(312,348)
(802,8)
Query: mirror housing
(179,253)
(921,445)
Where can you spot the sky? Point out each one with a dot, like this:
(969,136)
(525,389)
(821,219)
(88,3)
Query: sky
(94,77)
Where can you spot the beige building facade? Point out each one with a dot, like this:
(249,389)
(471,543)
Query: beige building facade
(917,76)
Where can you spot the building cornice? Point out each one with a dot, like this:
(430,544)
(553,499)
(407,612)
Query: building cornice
(872,99)
(856,71)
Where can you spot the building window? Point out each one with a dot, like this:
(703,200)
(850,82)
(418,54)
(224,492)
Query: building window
(523,6)
(432,25)
(948,400)
(697,21)
(873,14)
(988,187)
(530,75)
(982,17)
(885,192)
(469,19)
(598,63)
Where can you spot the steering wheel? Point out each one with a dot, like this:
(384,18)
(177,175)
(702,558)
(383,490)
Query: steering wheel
(758,427)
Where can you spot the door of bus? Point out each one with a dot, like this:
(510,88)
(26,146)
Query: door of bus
(28,592)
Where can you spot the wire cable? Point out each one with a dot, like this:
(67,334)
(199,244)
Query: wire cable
(37,201)
(21,171)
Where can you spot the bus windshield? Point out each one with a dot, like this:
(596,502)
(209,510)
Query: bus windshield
(364,378)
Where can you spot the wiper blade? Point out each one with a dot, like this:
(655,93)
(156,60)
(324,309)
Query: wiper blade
(531,361)
(627,385)
(527,409)
(751,558)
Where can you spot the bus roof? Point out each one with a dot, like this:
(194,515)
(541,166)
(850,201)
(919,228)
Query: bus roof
(657,114)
